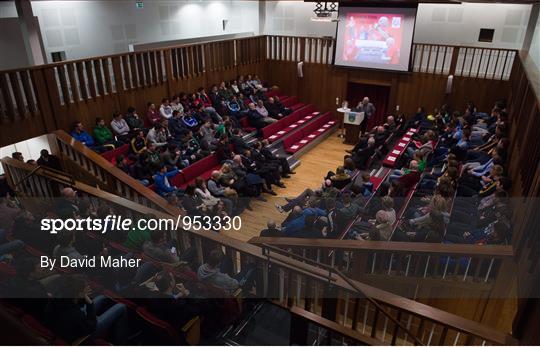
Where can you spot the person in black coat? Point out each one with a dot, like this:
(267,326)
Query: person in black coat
(362,156)
(258,166)
(240,145)
(274,109)
(271,230)
(267,153)
(223,150)
(49,160)
(285,111)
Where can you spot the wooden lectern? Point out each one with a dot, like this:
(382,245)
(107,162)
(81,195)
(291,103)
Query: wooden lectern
(351,122)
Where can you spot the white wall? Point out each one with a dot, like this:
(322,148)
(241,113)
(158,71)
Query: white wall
(534,50)
(451,24)
(293,18)
(92,28)
(30,148)
(460,24)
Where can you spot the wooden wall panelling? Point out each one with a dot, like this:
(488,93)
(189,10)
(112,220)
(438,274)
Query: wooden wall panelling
(408,90)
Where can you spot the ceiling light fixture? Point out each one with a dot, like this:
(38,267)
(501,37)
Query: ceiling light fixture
(325,9)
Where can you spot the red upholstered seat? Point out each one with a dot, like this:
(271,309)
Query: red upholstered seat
(190,173)
(309,133)
(203,168)
(297,106)
(111,155)
(284,98)
(290,119)
(289,101)
(292,139)
(273,128)
(177,180)
(310,128)
(245,125)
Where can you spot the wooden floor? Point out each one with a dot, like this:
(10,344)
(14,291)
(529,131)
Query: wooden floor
(313,167)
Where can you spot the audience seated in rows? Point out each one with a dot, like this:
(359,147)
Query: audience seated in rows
(451,180)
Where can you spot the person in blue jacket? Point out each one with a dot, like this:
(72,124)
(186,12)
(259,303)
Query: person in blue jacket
(161,180)
(296,225)
(81,135)
(86,139)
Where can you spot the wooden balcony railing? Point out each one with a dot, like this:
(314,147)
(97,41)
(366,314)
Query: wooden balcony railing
(45,98)
(79,161)
(489,268)
(473,62)
(48,97)
(316,294)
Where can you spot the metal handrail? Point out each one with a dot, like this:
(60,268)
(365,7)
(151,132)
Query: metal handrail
(348,281)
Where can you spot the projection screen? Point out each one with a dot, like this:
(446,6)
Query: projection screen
(375,37)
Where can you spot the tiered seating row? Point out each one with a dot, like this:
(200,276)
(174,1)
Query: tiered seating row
(399,148)
(279,129)
(308,134)
(244,121)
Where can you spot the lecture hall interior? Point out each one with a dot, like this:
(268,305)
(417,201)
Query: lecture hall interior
(258,172)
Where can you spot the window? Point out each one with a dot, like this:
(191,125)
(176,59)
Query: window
(58,56)
(486,35)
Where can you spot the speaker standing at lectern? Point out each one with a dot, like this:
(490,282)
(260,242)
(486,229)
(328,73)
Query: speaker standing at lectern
(368,109)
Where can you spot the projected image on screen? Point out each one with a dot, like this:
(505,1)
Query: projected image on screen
(377,38)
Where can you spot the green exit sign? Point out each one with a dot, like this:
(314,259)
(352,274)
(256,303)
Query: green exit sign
(139,4)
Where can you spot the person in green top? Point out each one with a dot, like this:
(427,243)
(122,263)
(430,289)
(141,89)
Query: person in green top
(422,165)
(154,157)
(102,134)
(420,157)
(224,128)
(137,236)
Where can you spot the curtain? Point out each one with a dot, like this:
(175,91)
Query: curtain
(378,96)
